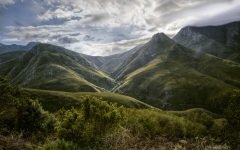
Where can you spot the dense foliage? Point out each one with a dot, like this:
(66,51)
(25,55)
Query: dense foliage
(21,114)
(97,124)
(232,114)
(90,123)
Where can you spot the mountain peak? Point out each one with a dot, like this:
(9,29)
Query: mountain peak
(40,47)
(159,37)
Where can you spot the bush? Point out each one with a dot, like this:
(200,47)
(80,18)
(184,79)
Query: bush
(59,145)
(153,123)
(232,114)
(32,119)
(18,113)
(91,123)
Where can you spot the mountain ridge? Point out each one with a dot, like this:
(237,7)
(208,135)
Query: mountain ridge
(162,72)
(221,41)
(52,67)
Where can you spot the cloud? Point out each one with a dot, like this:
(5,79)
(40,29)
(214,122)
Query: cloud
(67,40)
(6,2)
(103,27)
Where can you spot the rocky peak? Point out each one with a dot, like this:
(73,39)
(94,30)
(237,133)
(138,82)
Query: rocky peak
(160,37)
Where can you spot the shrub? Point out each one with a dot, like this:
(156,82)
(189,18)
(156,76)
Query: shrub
(91,123)
(153,123)
(32,119)
(232,114)
(21,114)
(59,145)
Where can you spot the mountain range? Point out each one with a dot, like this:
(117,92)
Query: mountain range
(199,67)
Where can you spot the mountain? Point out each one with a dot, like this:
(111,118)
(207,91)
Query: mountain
(51,67)
(168,75)
(222,41)
(14,47)
(119,65)
(10,55)
(195,69)
(110,64)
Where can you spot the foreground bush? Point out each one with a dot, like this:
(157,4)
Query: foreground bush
(20,114)
(33,120)
(232,114)
(59,145)
(91,123)
(153,123)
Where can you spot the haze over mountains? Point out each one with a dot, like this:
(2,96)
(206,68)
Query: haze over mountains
(221,41)
(197,68)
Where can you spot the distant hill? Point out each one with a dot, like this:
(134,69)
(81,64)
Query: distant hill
(10,55)
(11,48)
(111,64)
(222,41)
(54,68)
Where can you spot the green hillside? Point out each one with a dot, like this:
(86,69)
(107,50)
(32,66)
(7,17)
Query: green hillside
(181,79)
(25,124)
(55,100)
(10,55)
(54,68)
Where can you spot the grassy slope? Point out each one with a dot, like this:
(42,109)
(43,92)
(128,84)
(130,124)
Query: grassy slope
(54,100)
(54,68)
(143,55)
(183,79)
(10,55)
(158,122)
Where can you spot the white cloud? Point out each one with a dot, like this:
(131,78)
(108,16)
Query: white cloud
(98,27)
(6,2)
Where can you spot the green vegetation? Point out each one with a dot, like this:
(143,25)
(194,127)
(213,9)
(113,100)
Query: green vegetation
(182,79)
(10,55)
(232,114)
(65,101)
(20,114)
(55,100)
(54,68)
(98,124)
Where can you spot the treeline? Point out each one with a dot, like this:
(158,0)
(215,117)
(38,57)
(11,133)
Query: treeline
(96,124)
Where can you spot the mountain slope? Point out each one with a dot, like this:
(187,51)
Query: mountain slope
(119,65)
(54,68)
(222,41)
(55,100)
(144,55)
(180,78)
(11,48)
(10,55)
(111,64)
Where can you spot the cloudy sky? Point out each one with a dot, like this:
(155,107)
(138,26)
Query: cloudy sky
(104,27)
